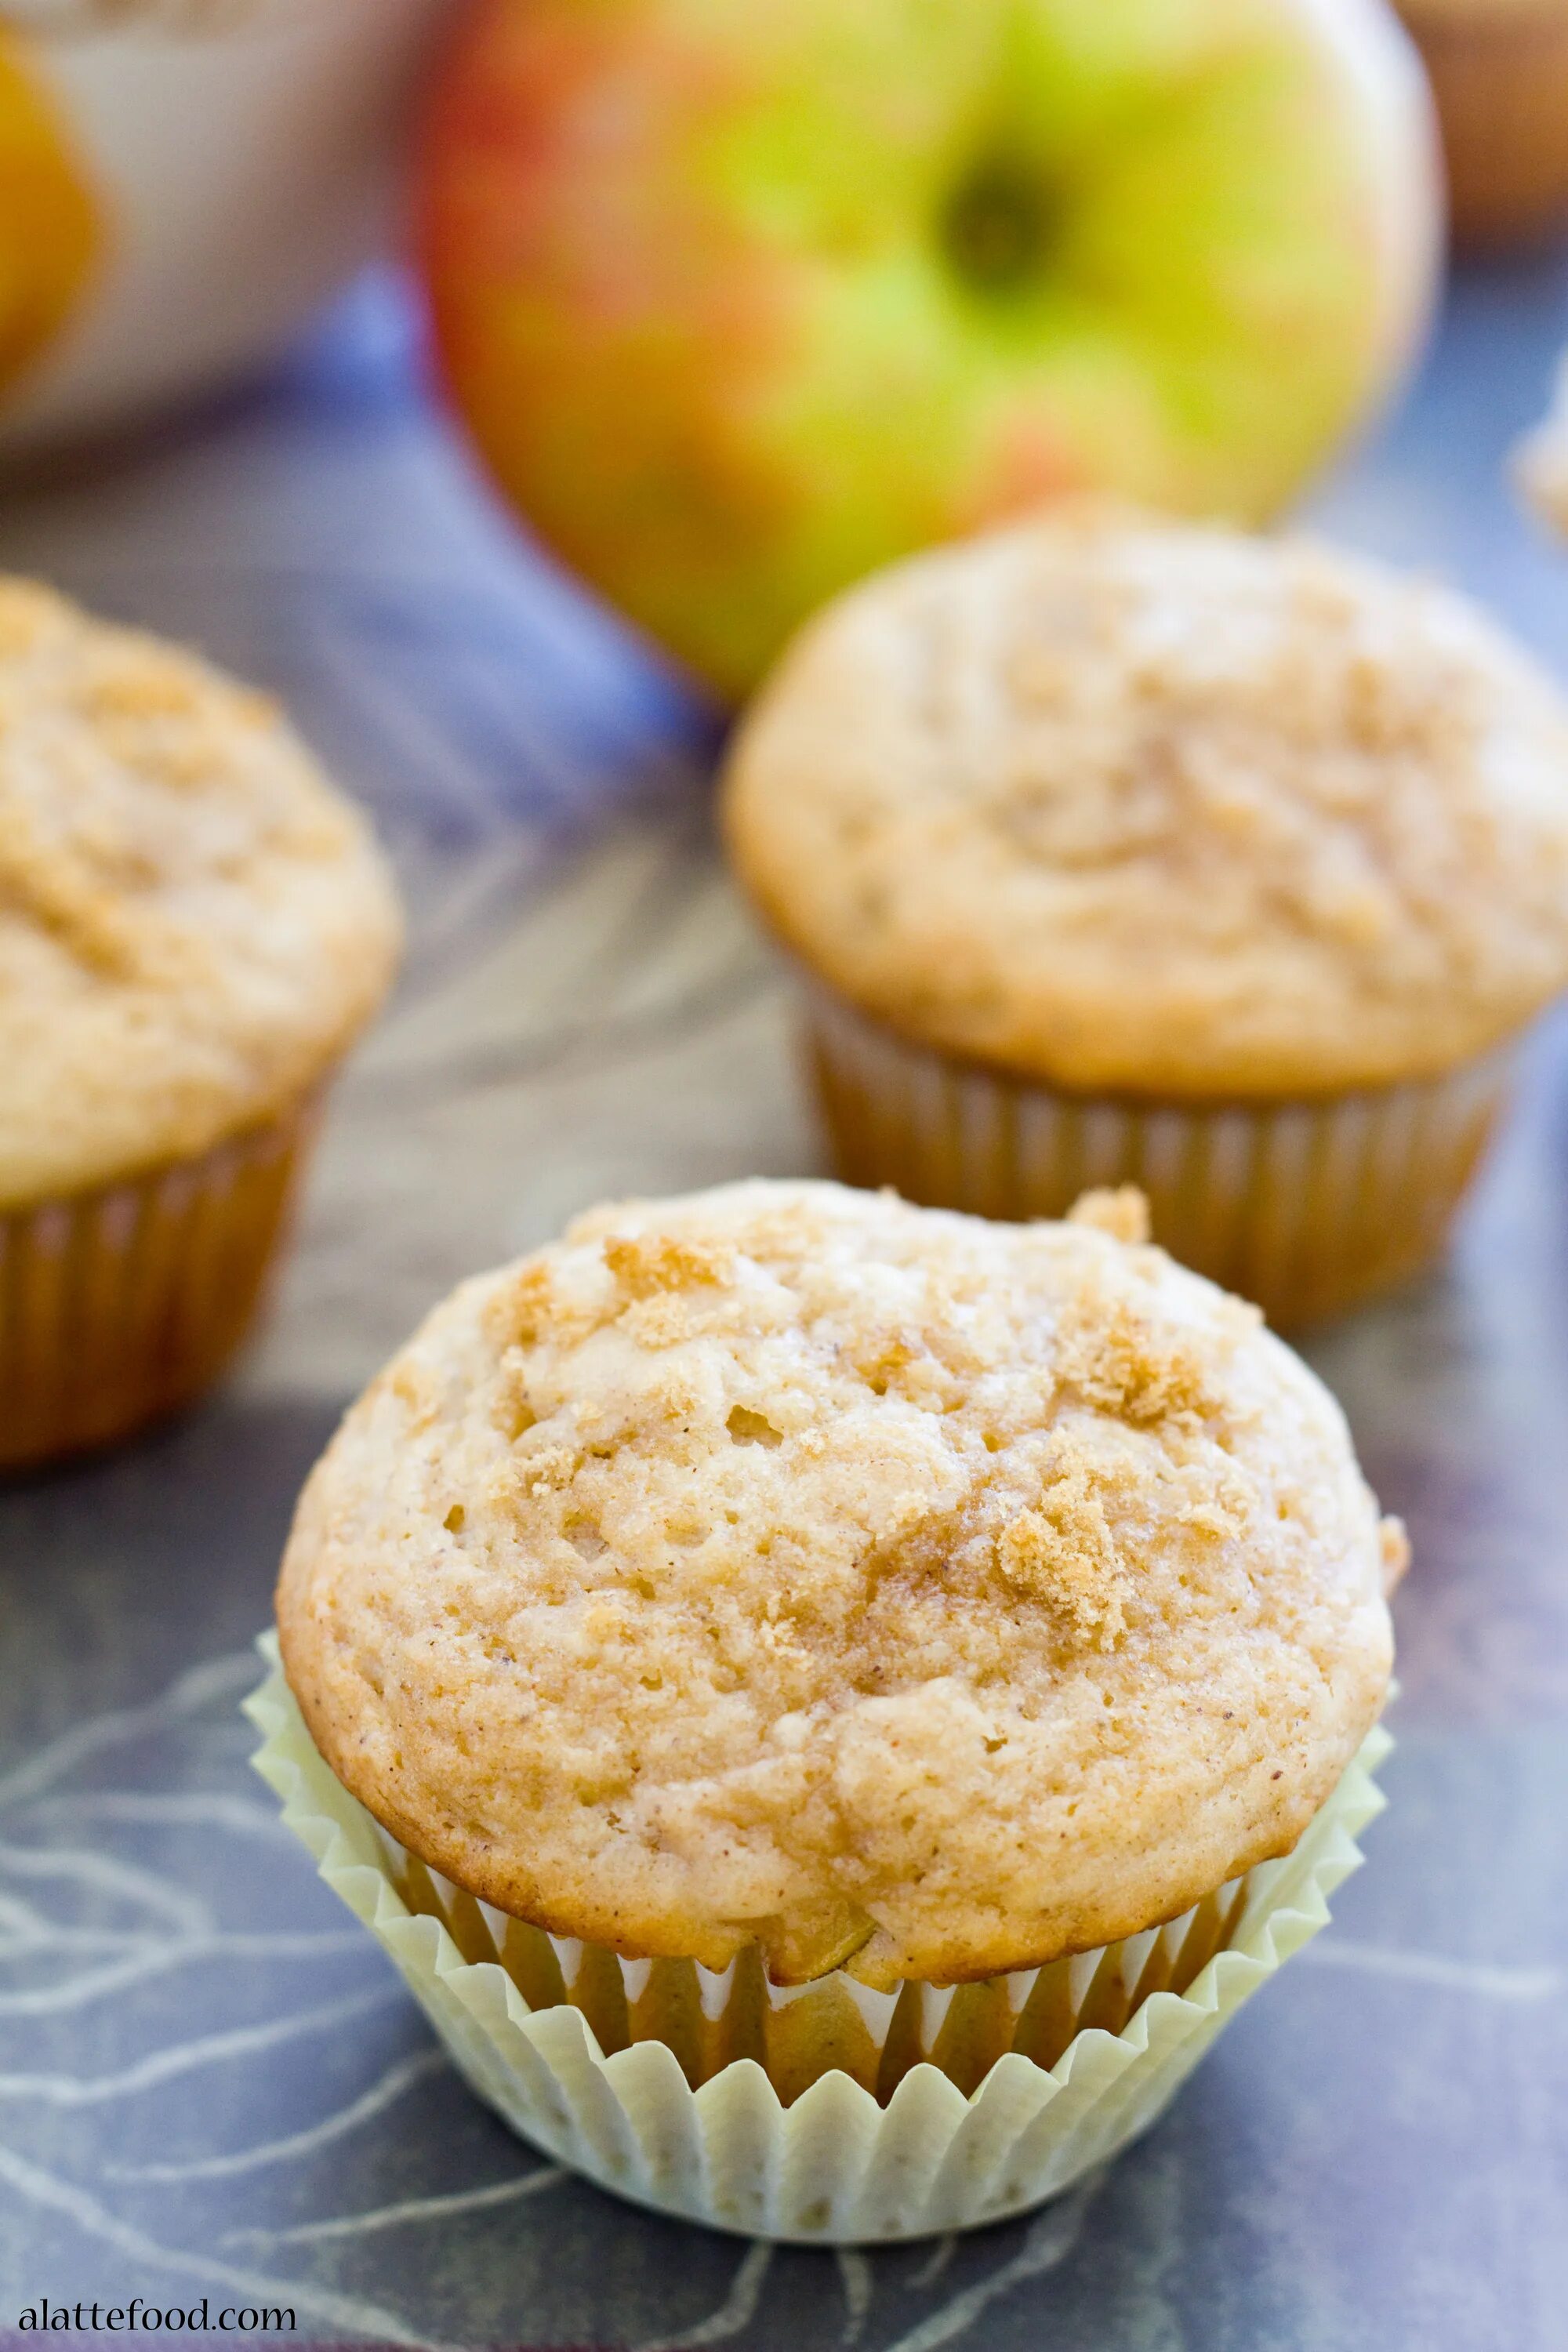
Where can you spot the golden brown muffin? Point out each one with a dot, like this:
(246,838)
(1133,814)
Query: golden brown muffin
(789,1568)
(1499,70)
(1102,822)
(1137,806)
(194,925)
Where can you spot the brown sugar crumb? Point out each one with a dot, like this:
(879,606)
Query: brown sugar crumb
(1394,1546)
(1120,1210)
(316,833)
(517,1314)
(511,1409)
(1064,1554)
(531,1308)
(663,1321)
(551,1468)
(1114,1361)
(672,1397)
(195,757)
(1378,714)
(1216,1519)
(880,1358)
(414,1388)
(646,1263)
(532,1476)
(146,687)
(49,886)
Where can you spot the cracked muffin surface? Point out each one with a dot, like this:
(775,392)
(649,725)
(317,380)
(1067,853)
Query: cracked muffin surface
(1128,805)
(192,923)
(789,1565)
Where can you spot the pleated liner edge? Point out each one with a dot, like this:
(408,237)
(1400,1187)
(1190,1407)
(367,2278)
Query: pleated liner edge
(834,2167)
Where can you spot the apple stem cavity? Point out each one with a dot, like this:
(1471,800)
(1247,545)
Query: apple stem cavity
(995,225)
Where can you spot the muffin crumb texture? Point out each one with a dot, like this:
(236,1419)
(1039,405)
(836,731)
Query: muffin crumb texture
(192,922)
(789,1565)
(1160,809)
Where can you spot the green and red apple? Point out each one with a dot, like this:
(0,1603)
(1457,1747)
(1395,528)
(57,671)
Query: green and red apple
(740,299)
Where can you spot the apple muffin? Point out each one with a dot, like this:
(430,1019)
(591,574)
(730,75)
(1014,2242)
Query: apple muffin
(1499,70)
(1114,850)
(813,1591)
(194,926)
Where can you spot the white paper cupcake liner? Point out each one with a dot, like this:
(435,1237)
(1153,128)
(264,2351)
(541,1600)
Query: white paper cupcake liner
(833,2165)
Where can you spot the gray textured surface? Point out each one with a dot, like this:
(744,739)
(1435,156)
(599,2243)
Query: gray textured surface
(207,2077)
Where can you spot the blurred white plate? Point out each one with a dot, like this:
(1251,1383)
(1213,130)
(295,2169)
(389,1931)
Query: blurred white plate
(234,159)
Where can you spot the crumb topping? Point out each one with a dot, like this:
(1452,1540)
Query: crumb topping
(1120,1210)
(1150,806)
(791,1564)
(1116,1360)
(1395,1551)
(649,1265)
(1063,1552)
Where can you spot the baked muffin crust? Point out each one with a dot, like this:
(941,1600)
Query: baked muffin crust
(1159,810)
(192,923)
(886,1586)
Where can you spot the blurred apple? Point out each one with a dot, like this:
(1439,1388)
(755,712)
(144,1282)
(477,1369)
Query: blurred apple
(738,302)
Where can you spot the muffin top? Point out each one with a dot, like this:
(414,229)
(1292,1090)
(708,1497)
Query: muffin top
(1163,810)
(885,1585)
(192,922)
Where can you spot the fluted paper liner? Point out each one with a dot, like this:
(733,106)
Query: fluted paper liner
(825,2114)
(1306,1207)
(121,1304)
